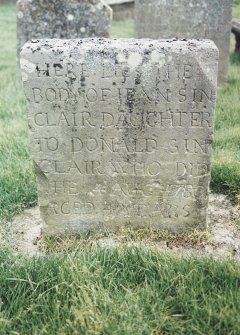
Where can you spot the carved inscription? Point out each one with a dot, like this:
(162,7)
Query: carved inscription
(121,132)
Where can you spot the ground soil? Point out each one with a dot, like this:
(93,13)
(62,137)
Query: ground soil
(223,238)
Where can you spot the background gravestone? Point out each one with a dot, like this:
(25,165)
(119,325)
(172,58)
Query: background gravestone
(38,19)
(122,9)
(121,131)
(210,19)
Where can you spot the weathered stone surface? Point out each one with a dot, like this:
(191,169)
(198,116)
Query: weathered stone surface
(197,19)
(38,19)
(121,131)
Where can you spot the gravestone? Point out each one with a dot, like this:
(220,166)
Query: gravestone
(122,9)
(38,19)
(199,19)
(121,131)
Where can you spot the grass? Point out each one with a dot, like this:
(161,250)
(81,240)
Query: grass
(125,236)
(226,146)
(236,8)
(126,291)
(17,182)
(123,29)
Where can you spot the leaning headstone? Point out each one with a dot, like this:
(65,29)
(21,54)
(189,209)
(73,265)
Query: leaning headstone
(38,19)
(182,19)
(121,131)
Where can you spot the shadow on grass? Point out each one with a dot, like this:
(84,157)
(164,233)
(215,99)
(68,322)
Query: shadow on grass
(235,58)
